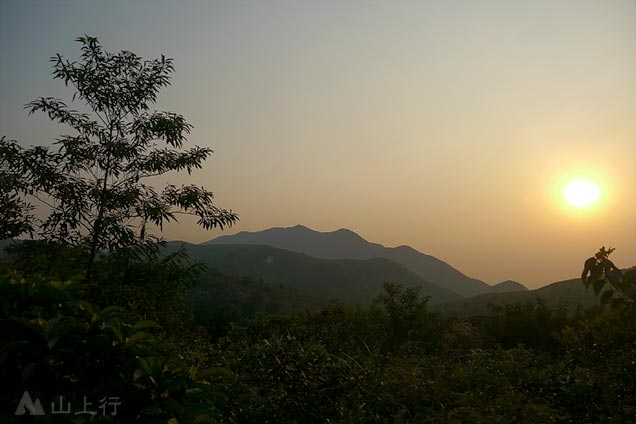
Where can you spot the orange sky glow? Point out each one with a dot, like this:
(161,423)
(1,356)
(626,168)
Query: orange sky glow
(452,127)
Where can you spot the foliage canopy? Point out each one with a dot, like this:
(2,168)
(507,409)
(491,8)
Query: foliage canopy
(96,181)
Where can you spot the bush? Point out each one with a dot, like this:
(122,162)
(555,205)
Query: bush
(56,344)
(531,324)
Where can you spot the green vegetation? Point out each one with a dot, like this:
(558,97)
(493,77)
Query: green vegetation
(131,322)
(61,347)
(394,361)
(219,300)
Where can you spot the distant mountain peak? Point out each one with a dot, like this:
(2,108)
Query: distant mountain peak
(347,244)
(345,232)
(405,248)
(339,231)
(508,286)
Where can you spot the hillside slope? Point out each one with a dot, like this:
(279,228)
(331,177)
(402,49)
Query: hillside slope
(568,293)
(349,280)
(220,299)
(345,244)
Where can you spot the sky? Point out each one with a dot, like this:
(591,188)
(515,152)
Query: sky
(449,126)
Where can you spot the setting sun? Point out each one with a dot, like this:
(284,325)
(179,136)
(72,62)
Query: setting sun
(581,193)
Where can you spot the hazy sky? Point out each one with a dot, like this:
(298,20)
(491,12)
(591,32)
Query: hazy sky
(450,126)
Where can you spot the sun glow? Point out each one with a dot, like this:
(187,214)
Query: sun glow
(581,193)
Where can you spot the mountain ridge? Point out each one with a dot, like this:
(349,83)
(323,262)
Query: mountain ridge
(347,244)
(352,281)
(570,294)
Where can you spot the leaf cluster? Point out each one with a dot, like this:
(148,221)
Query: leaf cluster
(96,181)
(615,287)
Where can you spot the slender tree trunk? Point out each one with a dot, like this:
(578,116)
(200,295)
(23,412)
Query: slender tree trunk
(97,228)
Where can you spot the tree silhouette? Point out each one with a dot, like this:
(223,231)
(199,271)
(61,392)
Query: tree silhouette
(95,182)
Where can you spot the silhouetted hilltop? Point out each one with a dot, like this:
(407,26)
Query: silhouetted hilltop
(508,286)
(346,244)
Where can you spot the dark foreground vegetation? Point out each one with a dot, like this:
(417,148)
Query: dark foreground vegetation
(95,326)
(128,334)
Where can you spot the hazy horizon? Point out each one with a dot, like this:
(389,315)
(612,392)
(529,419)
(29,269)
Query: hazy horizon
(449,127)
(575,274)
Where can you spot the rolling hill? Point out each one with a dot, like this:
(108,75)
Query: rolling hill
(345,244)
(508,286)
(568,293)
(349,280)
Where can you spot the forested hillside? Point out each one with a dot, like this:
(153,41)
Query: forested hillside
(345,244)
(347,280)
